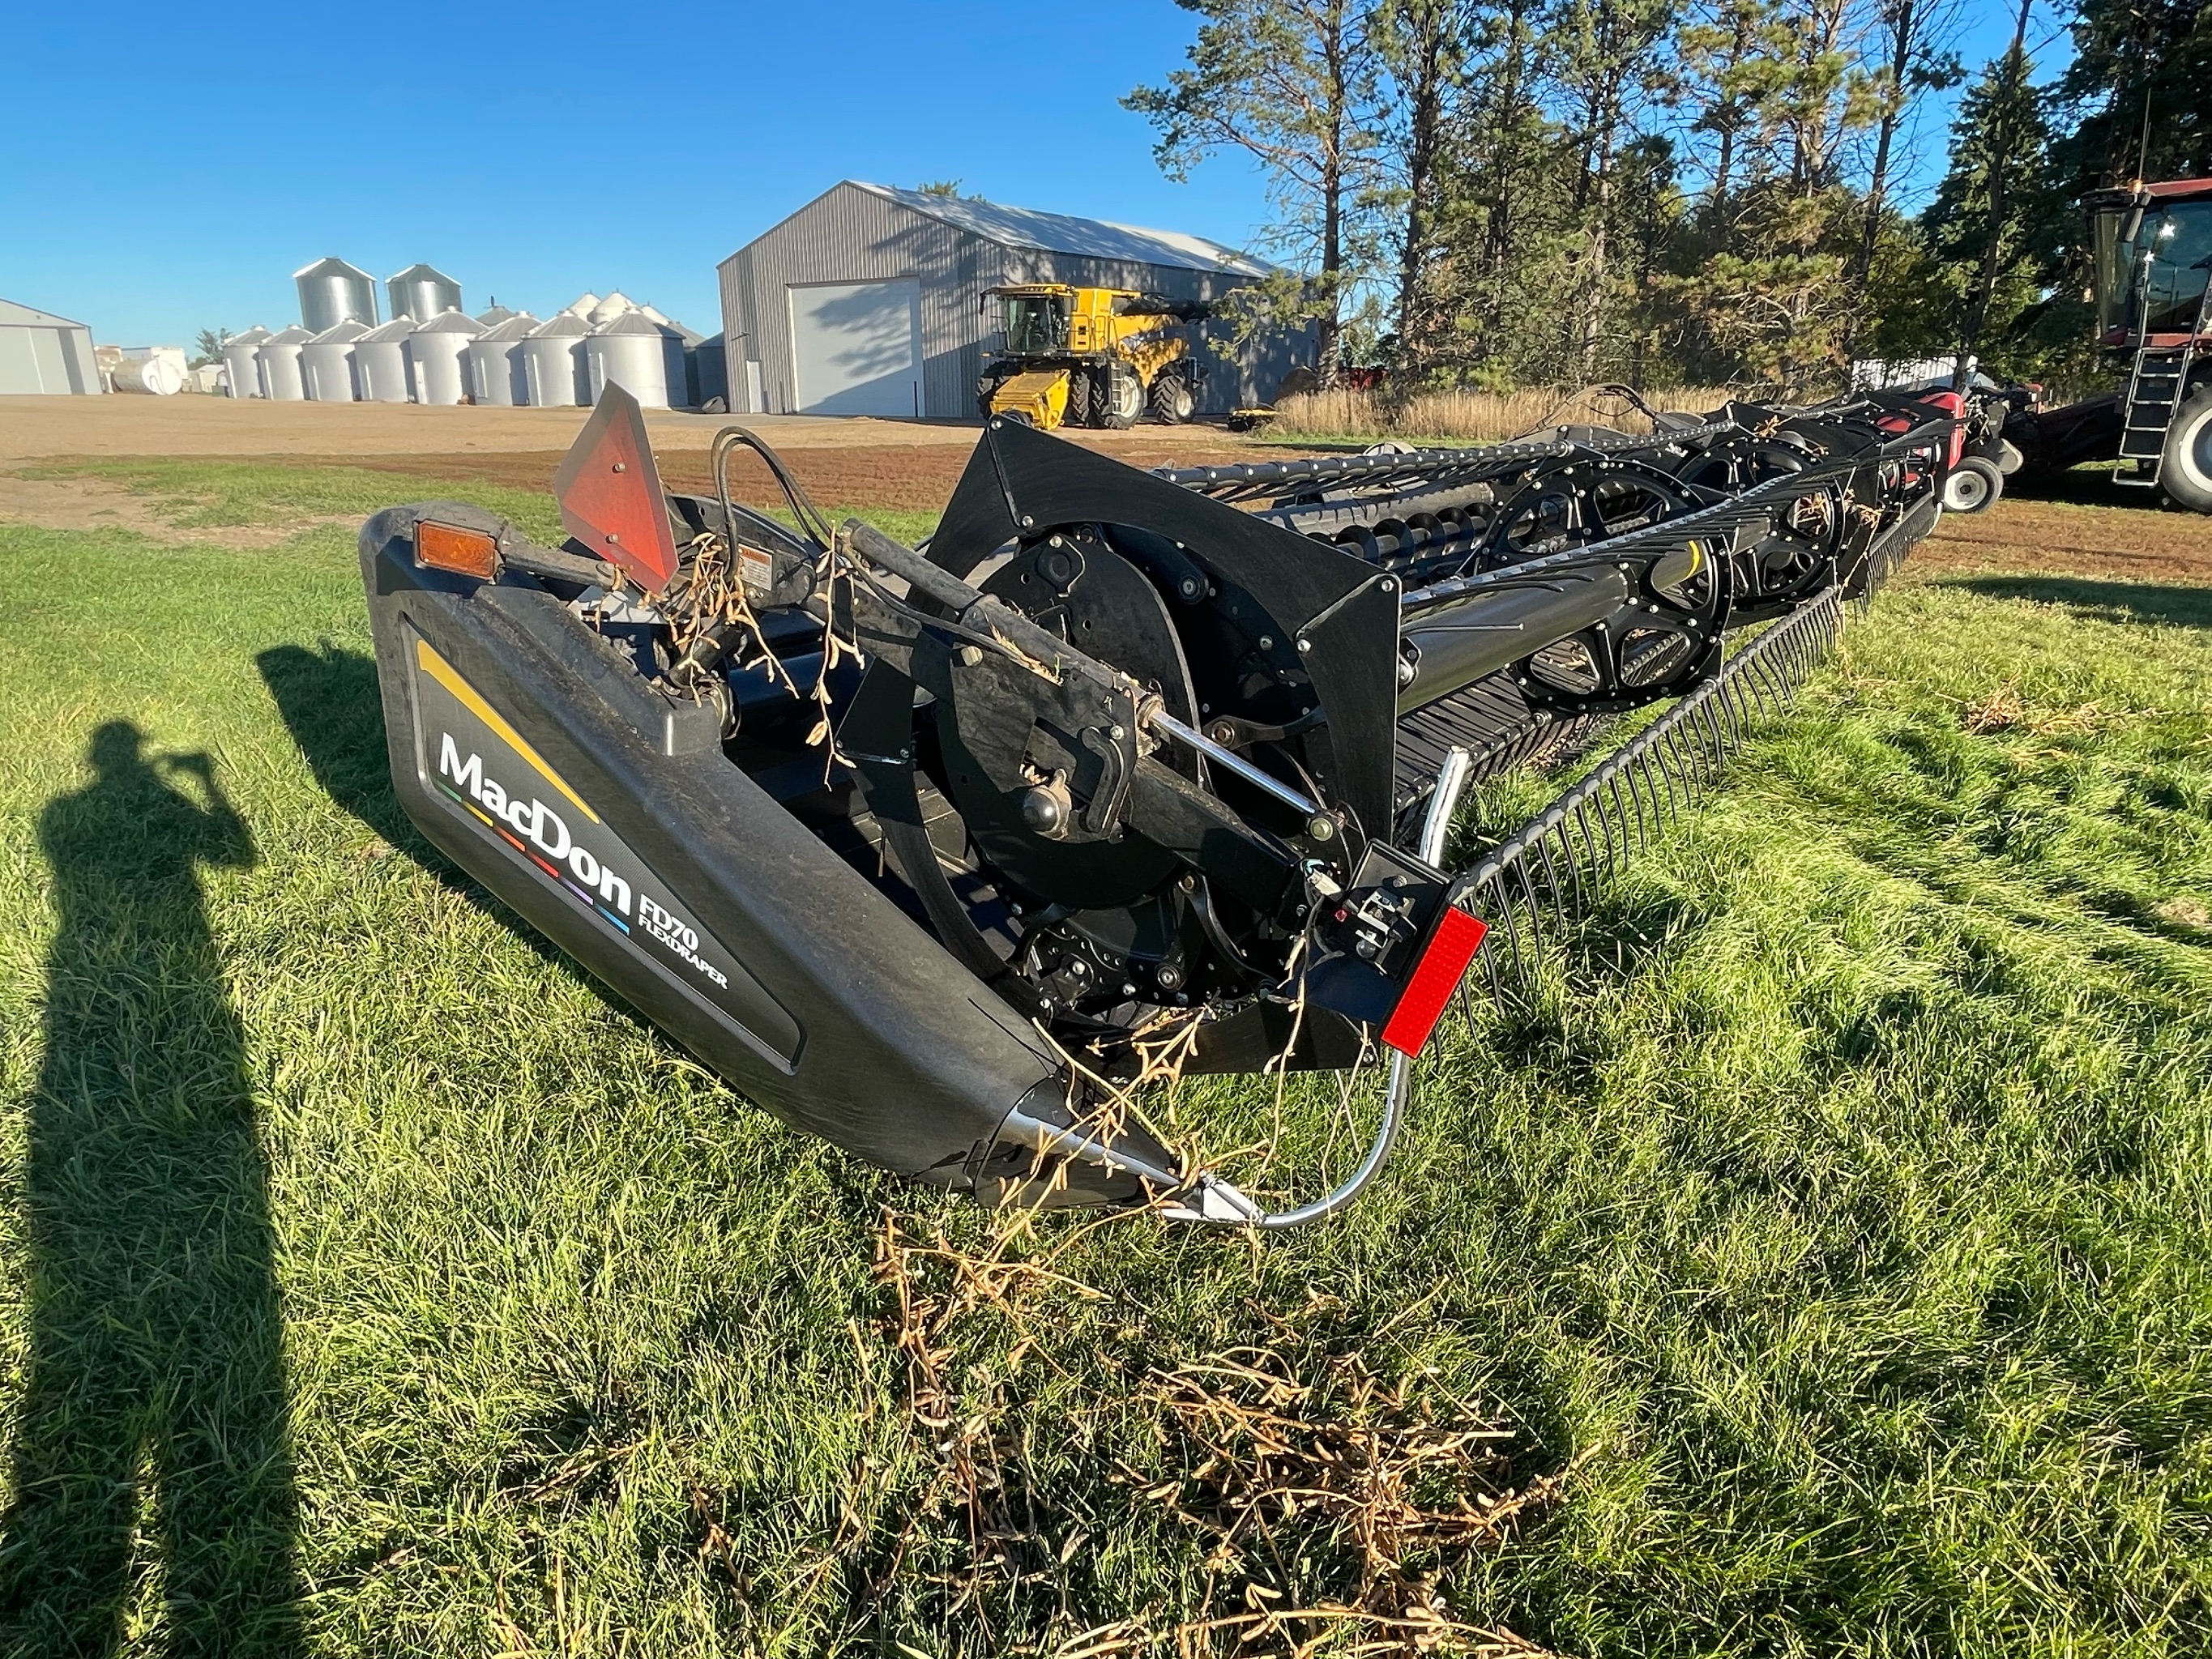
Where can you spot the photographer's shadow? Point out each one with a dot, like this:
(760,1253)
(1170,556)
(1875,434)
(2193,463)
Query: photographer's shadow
(154,1395)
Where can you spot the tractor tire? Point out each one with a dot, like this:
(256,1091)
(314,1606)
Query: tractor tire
(2185,474)
(1078,399)
(1121,399)
(1172,404)
(1972,486)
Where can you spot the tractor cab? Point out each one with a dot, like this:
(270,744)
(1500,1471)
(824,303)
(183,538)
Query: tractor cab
(2152,284)
(2154,253)
(1036,320)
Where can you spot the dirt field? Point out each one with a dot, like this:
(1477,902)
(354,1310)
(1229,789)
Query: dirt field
(42,428)
(2097,531)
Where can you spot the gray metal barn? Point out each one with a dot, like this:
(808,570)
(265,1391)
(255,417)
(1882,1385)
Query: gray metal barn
(869,300)
(41,352)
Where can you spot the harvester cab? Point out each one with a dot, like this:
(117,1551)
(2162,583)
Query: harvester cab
(969,858)
(2153,257)
(1090,356)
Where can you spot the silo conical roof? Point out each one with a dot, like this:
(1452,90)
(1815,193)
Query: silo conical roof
(293,336)
(515,325)
(332,267)
(582,304)
(631,322)
(254,336)
(496,314)
(616,304)
(342,333)
(397,329)
(450,322)
(565,324)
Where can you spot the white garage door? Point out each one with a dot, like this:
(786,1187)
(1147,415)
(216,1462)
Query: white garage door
(34,358)
(856,348)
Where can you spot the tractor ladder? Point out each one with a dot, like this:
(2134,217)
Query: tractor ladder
(2156,386)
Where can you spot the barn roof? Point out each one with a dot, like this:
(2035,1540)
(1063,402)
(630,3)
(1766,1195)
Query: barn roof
(1060,232)
(12,313)
(1054,233)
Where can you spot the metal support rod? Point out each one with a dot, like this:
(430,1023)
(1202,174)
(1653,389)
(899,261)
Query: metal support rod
(1229,761)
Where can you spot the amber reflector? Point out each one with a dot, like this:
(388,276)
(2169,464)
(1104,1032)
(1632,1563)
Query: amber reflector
(464,552)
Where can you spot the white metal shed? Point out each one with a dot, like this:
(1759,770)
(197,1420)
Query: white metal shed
(40,352)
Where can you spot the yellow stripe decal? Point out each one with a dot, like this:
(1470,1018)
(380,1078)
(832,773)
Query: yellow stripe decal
(444,673)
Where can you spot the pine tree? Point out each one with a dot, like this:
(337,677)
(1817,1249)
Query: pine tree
(1293,83)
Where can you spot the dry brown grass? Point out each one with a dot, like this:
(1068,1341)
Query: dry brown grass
(1474,417)
(1297,1448)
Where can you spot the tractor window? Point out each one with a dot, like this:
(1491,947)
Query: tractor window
(2161,292)
(1036,324)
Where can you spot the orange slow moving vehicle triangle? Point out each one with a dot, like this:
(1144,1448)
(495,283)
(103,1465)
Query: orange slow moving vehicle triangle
(608,490)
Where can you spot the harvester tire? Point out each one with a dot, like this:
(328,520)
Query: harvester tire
(2187,472)
(1172,403)
(1078,399)
(1121,400)
(1972,486)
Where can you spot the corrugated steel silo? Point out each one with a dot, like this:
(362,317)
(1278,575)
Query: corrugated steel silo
(242,356)
(646,359)
(333,292)
(280,365)
(495,362)
(421,292)
(327,363)
(437,349)
(553,359)
(380,359)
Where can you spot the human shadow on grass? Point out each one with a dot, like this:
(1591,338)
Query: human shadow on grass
(330,703)
(155,1394)
(2098,601)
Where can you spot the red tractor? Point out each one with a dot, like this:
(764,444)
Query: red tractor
(2153,257)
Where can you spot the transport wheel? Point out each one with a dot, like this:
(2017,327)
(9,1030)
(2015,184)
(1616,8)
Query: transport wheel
(1972,486)
(1078,399)
(2187,474)
(1122,401)
(1171,400)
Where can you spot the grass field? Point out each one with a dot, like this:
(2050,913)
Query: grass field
(1822,1265)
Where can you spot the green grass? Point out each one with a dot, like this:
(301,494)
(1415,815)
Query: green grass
(369,1285)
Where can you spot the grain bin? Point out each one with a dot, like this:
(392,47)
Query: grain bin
(333,292)
(242,356)
(438,350)
(643,358)
(553,359)
(616,304)
(380,360)
(421,292)
(327,363)
(495,313)
(280,365)
(495,361)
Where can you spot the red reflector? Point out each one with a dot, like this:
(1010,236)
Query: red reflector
(608,490)
(1435,977)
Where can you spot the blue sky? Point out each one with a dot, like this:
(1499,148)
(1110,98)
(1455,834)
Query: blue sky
(166,168)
